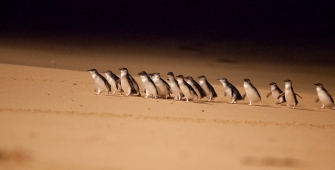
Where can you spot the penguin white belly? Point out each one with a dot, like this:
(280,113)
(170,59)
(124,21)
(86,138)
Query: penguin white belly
(324,98)
(162,89)
(112,83)
(275,95)
(251,93)
(150,89)
(125,86)
(188,94)
(229,92)
(206,90)
(289,96)
(175,89)
(100,85)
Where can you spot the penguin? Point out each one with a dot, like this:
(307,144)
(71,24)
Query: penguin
(174,86)
(186,89)
(290,95)
(128,83)
(162,86)
(251,92)
(100,82)
(323,95)
(208,88)
(149,87)
(113,80)
(231,90)
(276,91)
(197,88)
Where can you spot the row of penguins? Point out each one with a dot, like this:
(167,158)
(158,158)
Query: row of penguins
(186,88)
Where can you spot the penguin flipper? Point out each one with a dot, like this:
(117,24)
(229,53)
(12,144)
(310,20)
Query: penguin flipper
(298,95)
(166,84)
(238,95)
(191,88)
(118,81)
(214,94)
(280,95)
(243,96)
(225,94)
(267,96)
(317,100)
(134,86)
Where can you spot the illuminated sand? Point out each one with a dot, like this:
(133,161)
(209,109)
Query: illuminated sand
(50,118)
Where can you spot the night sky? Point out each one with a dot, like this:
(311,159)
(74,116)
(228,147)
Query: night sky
(279,20)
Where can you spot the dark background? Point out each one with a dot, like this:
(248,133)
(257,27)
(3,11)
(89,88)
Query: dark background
(218,20)
(296,32)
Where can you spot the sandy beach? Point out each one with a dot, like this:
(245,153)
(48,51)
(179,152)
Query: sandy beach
(51,119)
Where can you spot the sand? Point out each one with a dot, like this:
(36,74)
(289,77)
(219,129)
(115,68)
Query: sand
(51,119)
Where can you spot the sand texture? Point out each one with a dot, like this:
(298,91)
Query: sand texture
(51,119)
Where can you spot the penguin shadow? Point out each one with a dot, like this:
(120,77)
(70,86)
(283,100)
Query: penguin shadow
(213,101)
(191,47)
(275,162)
(303,108)
(121,95)
(226,60)
(275,105)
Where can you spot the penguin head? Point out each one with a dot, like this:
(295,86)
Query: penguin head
(108,72)
(246,80)
(180,78)
(151,75)
(273,83)
(124,71)
(188,78)
(288,83)
(142,73)
(170,73)
(155,76)
(223,80)
(93,71)
(318,84)
(202,78)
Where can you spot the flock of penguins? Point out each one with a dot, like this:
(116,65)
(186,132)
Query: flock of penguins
(186,88)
